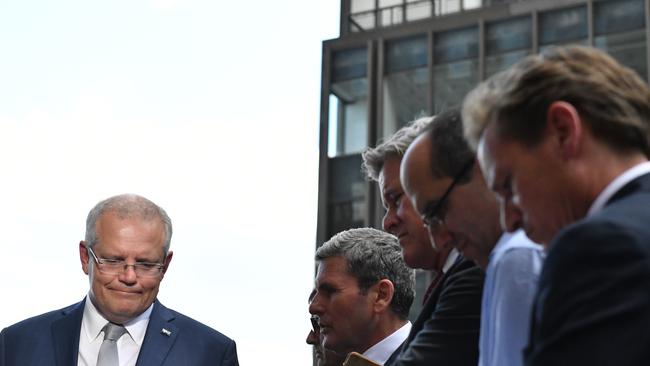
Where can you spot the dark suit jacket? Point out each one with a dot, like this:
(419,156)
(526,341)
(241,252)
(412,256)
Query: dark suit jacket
(593,302)
(53,339)
(446,331)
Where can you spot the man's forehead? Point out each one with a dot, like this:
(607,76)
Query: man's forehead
(497,157)
(333,269)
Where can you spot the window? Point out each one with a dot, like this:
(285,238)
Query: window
(347,192)
(405,88)
(563,26)
(348,117)
(455,66)
(619,29)
(506,42)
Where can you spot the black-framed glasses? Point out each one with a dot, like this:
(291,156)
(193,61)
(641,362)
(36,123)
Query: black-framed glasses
(431,216)
(115,266)
(314,323)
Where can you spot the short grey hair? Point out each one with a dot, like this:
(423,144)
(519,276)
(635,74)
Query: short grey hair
(128,206)
(395,145)
(373,255)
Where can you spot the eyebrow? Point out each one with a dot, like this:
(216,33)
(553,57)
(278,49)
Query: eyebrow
(327,287)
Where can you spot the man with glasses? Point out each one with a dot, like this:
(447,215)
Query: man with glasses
(120,322)
(446,186)
(440,334)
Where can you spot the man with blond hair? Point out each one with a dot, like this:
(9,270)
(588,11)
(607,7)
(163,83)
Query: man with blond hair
(564,138)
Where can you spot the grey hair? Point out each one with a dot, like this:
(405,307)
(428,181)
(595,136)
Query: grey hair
(128,206)
(373,255)
(450,152)
(395,145)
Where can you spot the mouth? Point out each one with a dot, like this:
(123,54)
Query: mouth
(402,238)
(125,293)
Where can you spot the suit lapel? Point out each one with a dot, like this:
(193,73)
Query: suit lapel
(65,335)
(430,306)
(425,314)
(159,338)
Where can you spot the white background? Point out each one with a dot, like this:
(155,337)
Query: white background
(210,109)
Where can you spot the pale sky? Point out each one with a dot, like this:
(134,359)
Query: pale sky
(210,109)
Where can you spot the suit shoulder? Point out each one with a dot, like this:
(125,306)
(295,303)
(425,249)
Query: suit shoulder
(463,284)
(38,322)
(199,329)
(601,235)
(465,270)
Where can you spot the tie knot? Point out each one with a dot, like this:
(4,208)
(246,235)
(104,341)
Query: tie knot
(113,332)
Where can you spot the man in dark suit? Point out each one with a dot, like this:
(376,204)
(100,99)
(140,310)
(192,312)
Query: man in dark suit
(445,184)
(364,291)
(564,137)
(125,255)
(447,328)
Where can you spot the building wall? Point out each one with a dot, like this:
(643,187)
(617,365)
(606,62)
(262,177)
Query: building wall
(378,78)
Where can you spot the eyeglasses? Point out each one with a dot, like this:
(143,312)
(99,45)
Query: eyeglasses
(115,267)
(431,216)
(314,323)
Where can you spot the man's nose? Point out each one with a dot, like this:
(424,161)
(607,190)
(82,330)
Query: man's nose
(390,221)
(128,275)
(316,306)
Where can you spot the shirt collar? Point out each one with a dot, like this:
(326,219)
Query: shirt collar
(618,183)
(451,259)
(93,322)
(382,350)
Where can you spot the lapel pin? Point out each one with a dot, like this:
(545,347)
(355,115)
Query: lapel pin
(166,332)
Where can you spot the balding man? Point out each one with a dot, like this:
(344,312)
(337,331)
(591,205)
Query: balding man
(120,322)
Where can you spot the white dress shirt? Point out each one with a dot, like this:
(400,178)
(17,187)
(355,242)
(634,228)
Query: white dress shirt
(618,183)
(381,351)
(451,259)
(510,286)
(92,336)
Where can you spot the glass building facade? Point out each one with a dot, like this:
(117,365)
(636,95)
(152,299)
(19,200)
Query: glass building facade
(397,60)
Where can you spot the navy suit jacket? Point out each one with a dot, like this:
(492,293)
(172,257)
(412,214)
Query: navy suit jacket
(593,302)
(53,339)
(447,329)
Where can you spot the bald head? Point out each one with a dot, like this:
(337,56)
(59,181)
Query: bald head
(415,170)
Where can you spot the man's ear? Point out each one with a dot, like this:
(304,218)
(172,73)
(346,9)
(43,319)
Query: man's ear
(83,256)
(168,259)
(564,126)
(384,295)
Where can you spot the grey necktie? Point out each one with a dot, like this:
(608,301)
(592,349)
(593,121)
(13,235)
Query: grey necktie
(108,352)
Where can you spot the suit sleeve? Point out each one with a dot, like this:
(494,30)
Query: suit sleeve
(450,336)
(2,348)
(230,355)
(593,304)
